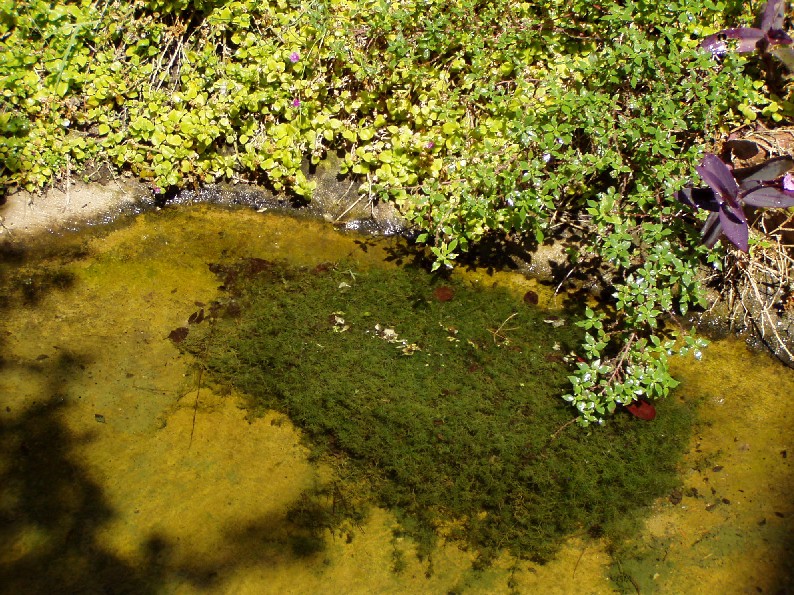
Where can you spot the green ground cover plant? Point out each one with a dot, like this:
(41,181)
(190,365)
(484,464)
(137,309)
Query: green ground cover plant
(440,398)
(478,118)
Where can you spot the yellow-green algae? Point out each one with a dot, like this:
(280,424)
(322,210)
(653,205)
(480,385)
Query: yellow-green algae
(732,530)
(107,493)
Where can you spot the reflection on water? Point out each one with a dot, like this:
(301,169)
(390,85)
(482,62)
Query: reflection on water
(102,490)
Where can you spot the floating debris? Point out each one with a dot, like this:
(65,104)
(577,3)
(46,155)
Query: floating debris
(642,409)
(443,293)
(179,334)
(338,322)
(391,336)
(531,298)
(554,321)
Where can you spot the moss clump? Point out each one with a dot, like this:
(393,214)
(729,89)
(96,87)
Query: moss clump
(447,407)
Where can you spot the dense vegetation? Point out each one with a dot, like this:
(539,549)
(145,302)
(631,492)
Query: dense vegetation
(475,117)
(440,399)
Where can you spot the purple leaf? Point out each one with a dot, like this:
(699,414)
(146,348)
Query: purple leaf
(769,197)
(748,38)
(699,198)
(719,177)
(734,226)
(736,214)
(769,170)
(751,39)
(712,230)
(685,196)
(778,37)
(773,15)
(746,188)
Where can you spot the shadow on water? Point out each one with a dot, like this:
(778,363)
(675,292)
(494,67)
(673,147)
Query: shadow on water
(50,509)
(53,512)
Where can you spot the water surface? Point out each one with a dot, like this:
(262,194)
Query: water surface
(116,476)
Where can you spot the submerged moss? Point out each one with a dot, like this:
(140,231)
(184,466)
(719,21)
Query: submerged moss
(445,401)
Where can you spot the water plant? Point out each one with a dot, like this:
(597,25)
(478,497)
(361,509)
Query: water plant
(435,407)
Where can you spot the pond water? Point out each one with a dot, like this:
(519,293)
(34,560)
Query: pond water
(121,471)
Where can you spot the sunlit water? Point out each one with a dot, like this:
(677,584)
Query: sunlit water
(115,476)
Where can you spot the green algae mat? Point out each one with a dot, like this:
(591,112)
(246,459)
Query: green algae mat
(435,397)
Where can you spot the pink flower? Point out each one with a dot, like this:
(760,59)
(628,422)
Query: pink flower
(294,57)
(296,102)
(788,182)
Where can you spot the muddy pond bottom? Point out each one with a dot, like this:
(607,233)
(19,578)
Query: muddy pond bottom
(150,443)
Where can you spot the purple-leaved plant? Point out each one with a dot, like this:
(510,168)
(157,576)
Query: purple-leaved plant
(768,38)
(730,190)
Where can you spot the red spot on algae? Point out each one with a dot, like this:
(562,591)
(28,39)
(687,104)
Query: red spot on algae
(642,409)
(443,293)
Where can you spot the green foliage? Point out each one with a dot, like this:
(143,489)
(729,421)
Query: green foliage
(450,410)
(451,118)
(475,117)
(601,382)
